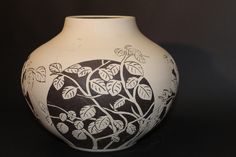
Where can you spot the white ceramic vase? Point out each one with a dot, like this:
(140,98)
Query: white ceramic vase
(100,84)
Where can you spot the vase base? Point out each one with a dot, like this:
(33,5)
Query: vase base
(102,150)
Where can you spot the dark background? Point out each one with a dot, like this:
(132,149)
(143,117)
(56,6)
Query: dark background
(200,35)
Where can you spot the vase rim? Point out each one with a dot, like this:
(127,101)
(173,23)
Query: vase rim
(100,17)
(101,24)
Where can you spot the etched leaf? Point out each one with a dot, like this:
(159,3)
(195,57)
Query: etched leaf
(82,71)
(40,74)
(144,92)
(63,117)
(92,128)
(55,67)
(130,49)
(73,69)
(115,138)
(114,68)
(118,103)
(139,56)
(29,77)
(71,115)
(131,128)
(102,122)
(79,135)
(63,128)
(87,112)
(118,124)
(79,124)
(49,120)
(58,82)
(28,81)
(131,82)
(105,74)
(114,87)
(134,68)
(98,85)
(120,52)
(69,92)
(43,108)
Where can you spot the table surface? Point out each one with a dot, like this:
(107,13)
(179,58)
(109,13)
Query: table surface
(201,121)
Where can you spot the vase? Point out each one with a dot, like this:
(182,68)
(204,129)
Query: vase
(100,84)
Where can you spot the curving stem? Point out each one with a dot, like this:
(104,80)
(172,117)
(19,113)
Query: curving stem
(89,95)
(95,101)
(95,144)
(140,131)
(123,83)
(75,82)
(118,132)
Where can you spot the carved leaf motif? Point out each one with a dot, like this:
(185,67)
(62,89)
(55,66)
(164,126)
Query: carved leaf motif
(49,120)
(120,52)
(29,77)
(58,82)
(114,87)
(63,128)
(87,112)
(92,128)
(28,81)
(134,68)
(69,92)
(139,56)
(41,74)
(98,85)
(79,124)
(105,74)
(63,117)
(102,122)
(55,67)
(131,128)
(130,49)
(43,108)
(84,71)
(115,138)
(73,69)
(118,124)
(131,82)
(79,135)
(71,115)
(114,68)
(144,92)
(118,103)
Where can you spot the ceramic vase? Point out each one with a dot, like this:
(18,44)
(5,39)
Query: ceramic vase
(100,84)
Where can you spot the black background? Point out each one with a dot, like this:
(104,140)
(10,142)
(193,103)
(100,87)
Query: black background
(200,35)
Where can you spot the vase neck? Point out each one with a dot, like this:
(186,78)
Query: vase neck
(100,25)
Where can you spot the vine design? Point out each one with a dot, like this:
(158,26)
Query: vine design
(166,97)
(101,104)
(29,76)
(115,101)
(174,71)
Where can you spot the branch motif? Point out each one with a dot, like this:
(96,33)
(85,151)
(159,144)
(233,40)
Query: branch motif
(101,100)
(94,84)
(29,76)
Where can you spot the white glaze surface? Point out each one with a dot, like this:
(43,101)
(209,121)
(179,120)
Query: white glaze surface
(83,39)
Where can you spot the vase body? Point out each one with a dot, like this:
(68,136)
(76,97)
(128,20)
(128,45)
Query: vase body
(100,84)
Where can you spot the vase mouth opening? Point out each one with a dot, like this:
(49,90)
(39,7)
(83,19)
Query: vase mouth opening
(100,17)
